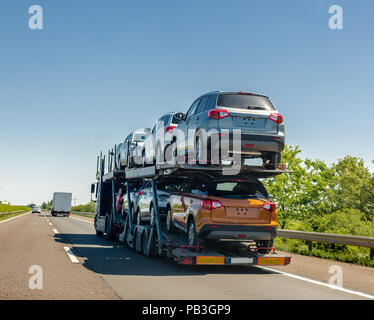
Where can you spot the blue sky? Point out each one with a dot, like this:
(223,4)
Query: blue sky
(100,69)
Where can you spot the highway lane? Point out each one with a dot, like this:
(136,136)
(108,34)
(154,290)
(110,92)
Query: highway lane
(134,276)
(29,240)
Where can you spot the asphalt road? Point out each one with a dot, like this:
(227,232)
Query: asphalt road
(107,270)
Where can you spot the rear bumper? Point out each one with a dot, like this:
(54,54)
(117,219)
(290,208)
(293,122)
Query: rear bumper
(237,232)
(252,143)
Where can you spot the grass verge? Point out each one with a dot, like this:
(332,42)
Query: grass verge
(350,254)
(6,216)
(82,214)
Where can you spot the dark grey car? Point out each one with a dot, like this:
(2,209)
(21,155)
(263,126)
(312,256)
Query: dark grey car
(261,127)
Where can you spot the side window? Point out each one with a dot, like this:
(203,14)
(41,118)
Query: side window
(192,110)
(211,104)
(202,104)
(154,129)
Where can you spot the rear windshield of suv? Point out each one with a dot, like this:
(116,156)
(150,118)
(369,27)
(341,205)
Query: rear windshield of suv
(239,190)
(245,101)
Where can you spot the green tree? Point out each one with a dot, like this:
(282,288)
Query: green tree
(285,189)
(352,186)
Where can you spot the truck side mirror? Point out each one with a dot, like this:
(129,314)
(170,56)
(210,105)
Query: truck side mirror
(93,188)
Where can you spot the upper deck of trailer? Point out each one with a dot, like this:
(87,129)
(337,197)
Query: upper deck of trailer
(168,169)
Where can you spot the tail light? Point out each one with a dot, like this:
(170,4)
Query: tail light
(211,204)
(245,93)
(276,117)
(218,114)
(169,129)
(269,206)
(140,193)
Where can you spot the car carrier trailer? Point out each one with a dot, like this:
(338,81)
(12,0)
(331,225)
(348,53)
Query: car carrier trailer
(153,239)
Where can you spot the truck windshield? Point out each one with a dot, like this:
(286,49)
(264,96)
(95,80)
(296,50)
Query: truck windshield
(245,101)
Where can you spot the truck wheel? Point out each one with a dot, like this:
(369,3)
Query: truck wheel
(108,230)
(169,221)
(99,233)
(192,234)
(145,243)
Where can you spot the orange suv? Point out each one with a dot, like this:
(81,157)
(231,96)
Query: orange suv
(218,208)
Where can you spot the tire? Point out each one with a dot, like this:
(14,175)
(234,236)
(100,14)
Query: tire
(99,233)
(197,150)
(191,233)
(152,215)
(119,162)
(108,231)
(143,159)
(169,221)
(144,243)
(138,217)
(158,155)
(174,151)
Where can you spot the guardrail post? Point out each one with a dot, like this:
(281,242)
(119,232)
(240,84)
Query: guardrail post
(310,245)
(371,253)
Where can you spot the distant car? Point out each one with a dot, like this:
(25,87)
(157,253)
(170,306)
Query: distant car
(262,128)
(36,210)
(129,153)
(223,208)
(145,204)
(160,137)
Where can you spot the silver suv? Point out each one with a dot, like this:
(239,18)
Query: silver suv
(258,121)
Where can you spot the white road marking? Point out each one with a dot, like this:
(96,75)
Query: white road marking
(55,231)
(81,220)
(319,283)
(21,215)
(71,255)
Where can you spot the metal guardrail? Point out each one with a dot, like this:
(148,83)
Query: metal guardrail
(359,241)
(90,213)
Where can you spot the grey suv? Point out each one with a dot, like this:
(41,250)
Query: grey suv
(261,127)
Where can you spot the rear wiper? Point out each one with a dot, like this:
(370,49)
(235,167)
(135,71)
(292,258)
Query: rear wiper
(255,108)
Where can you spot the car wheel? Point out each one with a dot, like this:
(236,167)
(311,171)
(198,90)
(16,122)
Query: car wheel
(173,151)
(138,217)
(197,150)
(119,162)
(143,158)
(159,155)
(152,213)
(192,234)
(169,221)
